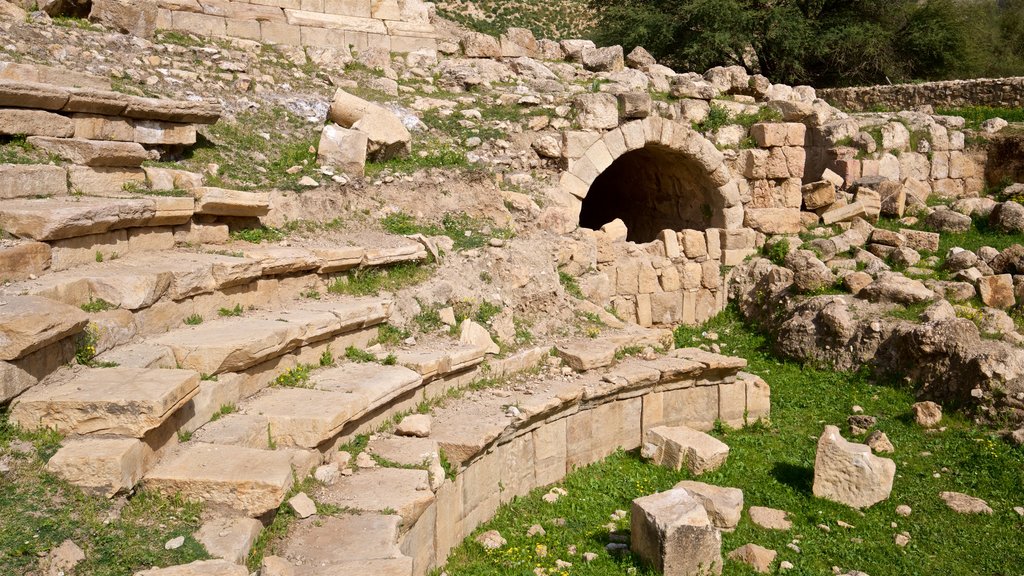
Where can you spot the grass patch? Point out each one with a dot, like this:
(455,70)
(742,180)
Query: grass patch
(464,230)
(717,118)
(194,320)
(97,305)
(258,235)
(976,115)
(370,282)
(297,377)
(230,312)
(358,355)
(40,511)
(570,284)
(773,465)
(389,334)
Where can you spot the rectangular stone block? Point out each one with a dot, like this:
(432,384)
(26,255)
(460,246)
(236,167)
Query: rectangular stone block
(201,24)
(164,133)
(695,407)
(549,452)
(448,531)
(32,180)
(150,239)
(245,29)
(110,182)
(322,37)
(105,466)
(97,127)
(280,33)
(72,252)
(759,403)
(22,122)
(357,8)
(732,403)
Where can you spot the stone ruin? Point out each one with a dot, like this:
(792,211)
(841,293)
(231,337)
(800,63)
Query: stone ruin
(660,223)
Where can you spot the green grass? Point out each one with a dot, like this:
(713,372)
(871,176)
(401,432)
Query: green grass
(230,312)
(297,377)
(17,150)
(571,285)
(717,118)
(389,334)
(464,230)
(194,320)
(444,158)
(358,355)
(773,465)
(258,235)
(39,511)
(97,305)
(370,282)
(975,115)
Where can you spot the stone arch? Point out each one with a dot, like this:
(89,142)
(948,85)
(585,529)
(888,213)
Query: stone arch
(654,174)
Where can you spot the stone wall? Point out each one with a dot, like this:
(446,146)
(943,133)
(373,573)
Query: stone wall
(395,25)
(587,424)
(998,92)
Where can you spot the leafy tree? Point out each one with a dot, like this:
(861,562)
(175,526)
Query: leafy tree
(823,42)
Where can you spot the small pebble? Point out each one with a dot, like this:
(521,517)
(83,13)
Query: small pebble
(903,510)
(175,543)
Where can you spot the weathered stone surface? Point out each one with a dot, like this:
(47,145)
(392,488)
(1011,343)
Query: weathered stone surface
(406,492)
(304,418)
(343,149)
(199,568)
(927,414)
(964,504)
(896,288)
(675,447)
(757,557)
(945,220)
(106,466)
(245,480)
(184,112)
(671,532)
(809,273)
(93,152)
(597,111)
(135,17)
(30,323)
(32,180)
(818,195)
(124,401)
(476,335)
(583,355)
(386,135)
(921,240)
(724,505)
(221,202)
(21,261)
(477,45)
(229,538)
(773,220)
(158,133)
(849,473)
(607,59)
(32,95)
(770,518)
(843,213)
(1008,216)
(997,291)
(15,121)
(416,425)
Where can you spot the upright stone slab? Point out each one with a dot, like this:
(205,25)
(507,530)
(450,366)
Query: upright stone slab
(849,473)
(671,532)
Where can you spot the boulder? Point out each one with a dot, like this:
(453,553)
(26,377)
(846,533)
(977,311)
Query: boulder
(671,532)
(849,473)
(897,289)
(893,196)
(476,335)
(964,504)
(675,447)
(608,59)
(945,220)
(1008,217)
(724,505)
(477,45)
(343,149)
(997,291)
(927,414)
(809,273)
(135,17)
(387,136)
(818,194)
(640,58)
(757,557)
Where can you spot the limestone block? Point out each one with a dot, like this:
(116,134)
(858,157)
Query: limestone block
(343,149)
(477,45)
(723,505)
(818,194)
(14,121)
(588,354)
(758,398)
(695,243)
(675,447)
(93,152)
(773,220)
(32,95)
(182,112)
(920,240)
(106,466)
(221,202)
(997,291)
(32,180)
(849,473)
(20,261)
(30,323)
(164,179)
(99,127)
(154,132)
(19,375)
(387,136)
(112,181)
(199,568)
(229,538)
(843,213)
(607,59)
(135,17)
(672,533)
(597,111)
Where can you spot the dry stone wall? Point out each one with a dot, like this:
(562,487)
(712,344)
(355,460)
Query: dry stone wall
(395,25)
(997,92)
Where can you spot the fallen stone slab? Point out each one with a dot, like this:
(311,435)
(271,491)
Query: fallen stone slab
(671,532)
(221,202)
(30,323)
(724,505)
(387,137)
(122,401)
(199,568)
(770,518)
(757,557)
(229,538)
(93,152)
(675,447)
(964,504)
(104,466)
(849,473)
(184,112)
(246,480)
(32,95)
(583,355)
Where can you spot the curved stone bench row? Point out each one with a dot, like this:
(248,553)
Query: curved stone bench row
(562,425)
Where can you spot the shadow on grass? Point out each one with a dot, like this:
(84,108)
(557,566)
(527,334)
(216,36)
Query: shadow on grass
(800,478)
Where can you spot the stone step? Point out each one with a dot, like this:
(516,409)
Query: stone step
(433,362)
(222,202)
(302,417)
(30,323)
(234,344)
(32,180)
(348,544)
(406,491)
(375,384)
(246,480)
(69,217)
(20,94)
(101,153)
(122,401)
